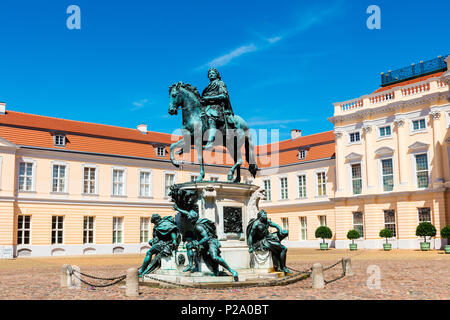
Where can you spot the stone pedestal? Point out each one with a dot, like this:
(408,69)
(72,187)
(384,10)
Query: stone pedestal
(261,260)
(230,206)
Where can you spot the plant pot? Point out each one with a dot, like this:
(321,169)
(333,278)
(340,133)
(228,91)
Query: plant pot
(425,246)
(353,246)
(324,246)
(447,248)
(387,246)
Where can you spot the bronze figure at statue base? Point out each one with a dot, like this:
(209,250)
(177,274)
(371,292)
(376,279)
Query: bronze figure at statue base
(217,222)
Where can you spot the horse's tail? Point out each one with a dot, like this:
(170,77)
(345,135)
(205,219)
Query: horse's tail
(250,155)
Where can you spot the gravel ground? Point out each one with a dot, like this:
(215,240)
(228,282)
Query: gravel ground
(404,275)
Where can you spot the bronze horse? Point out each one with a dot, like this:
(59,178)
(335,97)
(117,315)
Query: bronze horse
(194,126)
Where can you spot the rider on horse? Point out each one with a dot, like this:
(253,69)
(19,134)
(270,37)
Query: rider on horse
(217,107)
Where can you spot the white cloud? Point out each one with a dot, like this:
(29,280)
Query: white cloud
(305,21)
(139,104)
(226,58)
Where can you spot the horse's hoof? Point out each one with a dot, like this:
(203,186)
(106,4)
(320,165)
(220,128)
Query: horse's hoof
(208,146)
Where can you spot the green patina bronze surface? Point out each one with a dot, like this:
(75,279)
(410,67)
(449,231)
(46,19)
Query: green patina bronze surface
(211,112)
(259,238)
(205,244)
(166,238)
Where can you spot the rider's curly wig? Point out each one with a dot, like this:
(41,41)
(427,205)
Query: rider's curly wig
(216,71)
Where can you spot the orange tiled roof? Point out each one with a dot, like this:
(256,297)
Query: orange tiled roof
(319,146)
(404,83)
(36,131)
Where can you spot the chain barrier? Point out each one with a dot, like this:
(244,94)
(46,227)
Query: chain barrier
(283,281)
(116,279)
(332,266)
(292,278)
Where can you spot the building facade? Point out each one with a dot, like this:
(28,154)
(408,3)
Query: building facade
(75,188)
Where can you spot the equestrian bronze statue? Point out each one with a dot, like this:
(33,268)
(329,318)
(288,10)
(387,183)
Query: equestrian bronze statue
(210,113)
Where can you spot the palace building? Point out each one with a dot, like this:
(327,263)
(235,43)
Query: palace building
(75,188)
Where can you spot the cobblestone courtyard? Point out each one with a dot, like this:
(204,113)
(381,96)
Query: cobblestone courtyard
(405,274)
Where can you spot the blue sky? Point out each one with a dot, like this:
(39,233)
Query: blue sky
(284,62)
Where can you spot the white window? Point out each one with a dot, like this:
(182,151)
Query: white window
(90,180)
(213,178)
(88,230)
(117,229)
(284,188)
(144,183)
(144,230)
(193,177)
(422,170)
(26,171)
(285,223)
(23,229)
(57,229)
(59,140)
(268,188)
(301,185)
(356,178)
(303,229)
(358,223)
(384,131)
(418,125)
(169,180)
(323,221)
(301,154)
(424,214)
(118,182)
(389,221)
(161,151)
(387,173)
(59,178)
(354,137)
(321,185)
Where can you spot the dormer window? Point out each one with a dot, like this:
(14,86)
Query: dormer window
(59,140)
(161,151)
(301,154)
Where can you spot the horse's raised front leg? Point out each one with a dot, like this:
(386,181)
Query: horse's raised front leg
(173,146)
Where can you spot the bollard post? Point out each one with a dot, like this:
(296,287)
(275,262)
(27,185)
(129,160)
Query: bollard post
(65,278)
(75,282)
(132,283)
(317,276)
(347,267)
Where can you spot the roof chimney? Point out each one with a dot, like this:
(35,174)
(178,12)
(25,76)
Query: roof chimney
(2,108)
(296,133)
(142,128)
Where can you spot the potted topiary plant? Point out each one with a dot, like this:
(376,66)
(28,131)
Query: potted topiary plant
(425,229)
(445,234)
(352,235)
(325,233)
(386,233)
